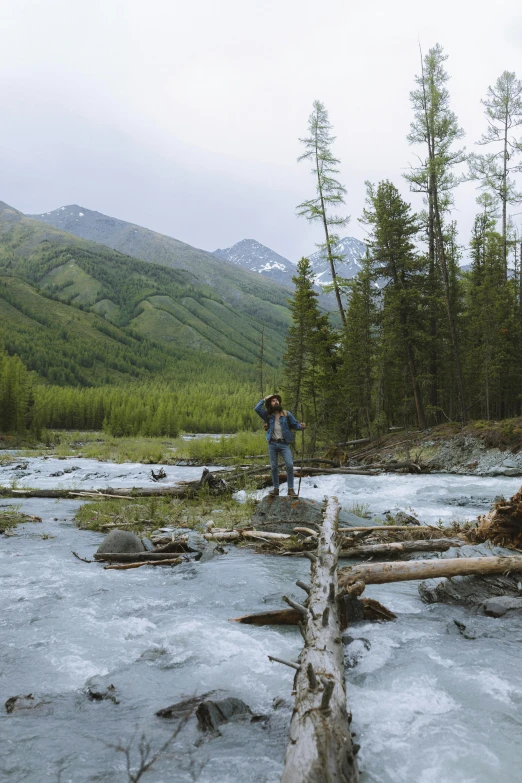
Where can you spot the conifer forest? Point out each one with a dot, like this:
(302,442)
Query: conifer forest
(428,331)
(421,338)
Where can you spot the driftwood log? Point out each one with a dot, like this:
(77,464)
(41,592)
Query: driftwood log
(184,489)
(402,547)
(126,566)
(130,557)
(320,747)
(370,609)
(406,570)
(367,529)
(276,617)
(235,535)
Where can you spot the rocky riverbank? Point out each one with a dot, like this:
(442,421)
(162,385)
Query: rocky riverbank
(480,449)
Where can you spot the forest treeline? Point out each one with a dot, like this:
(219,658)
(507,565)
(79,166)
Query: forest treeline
(152,408)
(422,340)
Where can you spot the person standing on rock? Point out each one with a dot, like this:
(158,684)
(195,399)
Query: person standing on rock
(279,425)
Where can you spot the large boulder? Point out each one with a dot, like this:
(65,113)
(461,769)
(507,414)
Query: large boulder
(282,514)
(120,542)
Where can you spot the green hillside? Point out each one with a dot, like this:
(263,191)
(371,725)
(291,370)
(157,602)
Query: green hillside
(85,314)
(246,292)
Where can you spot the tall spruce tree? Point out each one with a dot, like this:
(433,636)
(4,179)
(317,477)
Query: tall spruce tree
(493,331)
(358,354)
(435,126)
(393,228)
(329,191)
(309,360)
(493,170)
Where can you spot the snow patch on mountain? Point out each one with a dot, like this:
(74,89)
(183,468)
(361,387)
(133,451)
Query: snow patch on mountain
(252,255)
(351,250)
(256,257)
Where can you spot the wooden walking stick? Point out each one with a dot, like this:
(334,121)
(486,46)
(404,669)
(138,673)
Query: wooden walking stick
(302,454)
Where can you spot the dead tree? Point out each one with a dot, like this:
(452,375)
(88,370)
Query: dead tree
(320,747)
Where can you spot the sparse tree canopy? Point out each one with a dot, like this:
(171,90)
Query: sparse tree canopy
(494,170)
(329,191)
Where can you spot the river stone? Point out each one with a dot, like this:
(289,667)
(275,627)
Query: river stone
(120,542)
(282,514)
(467,590)
(19,703)
(497,607)
(211,714)
(147,543)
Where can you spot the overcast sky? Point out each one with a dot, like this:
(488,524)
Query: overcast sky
(185,116)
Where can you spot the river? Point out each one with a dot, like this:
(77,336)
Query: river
(429,705)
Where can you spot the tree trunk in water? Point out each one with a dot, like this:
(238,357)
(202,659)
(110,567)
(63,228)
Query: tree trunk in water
(402,547)
(406,570)
(320,748)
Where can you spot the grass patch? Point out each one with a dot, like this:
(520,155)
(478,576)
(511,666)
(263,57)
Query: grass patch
(361,510)
(143,515)
(505,434)
(10,517)
(234,448)
(151,451)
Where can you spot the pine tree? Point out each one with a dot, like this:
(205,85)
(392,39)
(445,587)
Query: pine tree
(330,192)
(436,126)
(503,110)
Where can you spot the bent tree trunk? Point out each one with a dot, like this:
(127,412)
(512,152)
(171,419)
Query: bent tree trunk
(320,749)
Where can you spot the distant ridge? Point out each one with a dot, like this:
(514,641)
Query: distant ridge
(247,292)
(81,313)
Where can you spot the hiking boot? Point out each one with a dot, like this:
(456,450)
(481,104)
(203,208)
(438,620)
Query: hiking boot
(292,493)
(274,493)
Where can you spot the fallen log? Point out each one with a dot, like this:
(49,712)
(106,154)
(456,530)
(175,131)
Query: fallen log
(277,617)
(183,489)
(370,610)
(230,535)
(335,471)
(234,535)
(390,467)
(353,442)
(391,528)
(129,557)
(125,492)
(321,747)
(402,547)
(406,570)
(125,566)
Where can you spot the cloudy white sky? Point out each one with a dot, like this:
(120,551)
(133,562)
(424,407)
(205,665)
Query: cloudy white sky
(185,116)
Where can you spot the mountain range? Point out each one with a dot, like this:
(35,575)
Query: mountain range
(250,254)
(81,313)
(93,299)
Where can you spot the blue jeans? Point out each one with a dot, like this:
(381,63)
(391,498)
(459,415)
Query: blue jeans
(274,449)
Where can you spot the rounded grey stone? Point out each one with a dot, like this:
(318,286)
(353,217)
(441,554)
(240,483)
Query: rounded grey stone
(120,542)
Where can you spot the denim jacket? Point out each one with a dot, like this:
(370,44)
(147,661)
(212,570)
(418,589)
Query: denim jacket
(287,422)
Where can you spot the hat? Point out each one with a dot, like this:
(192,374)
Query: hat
(271,397)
